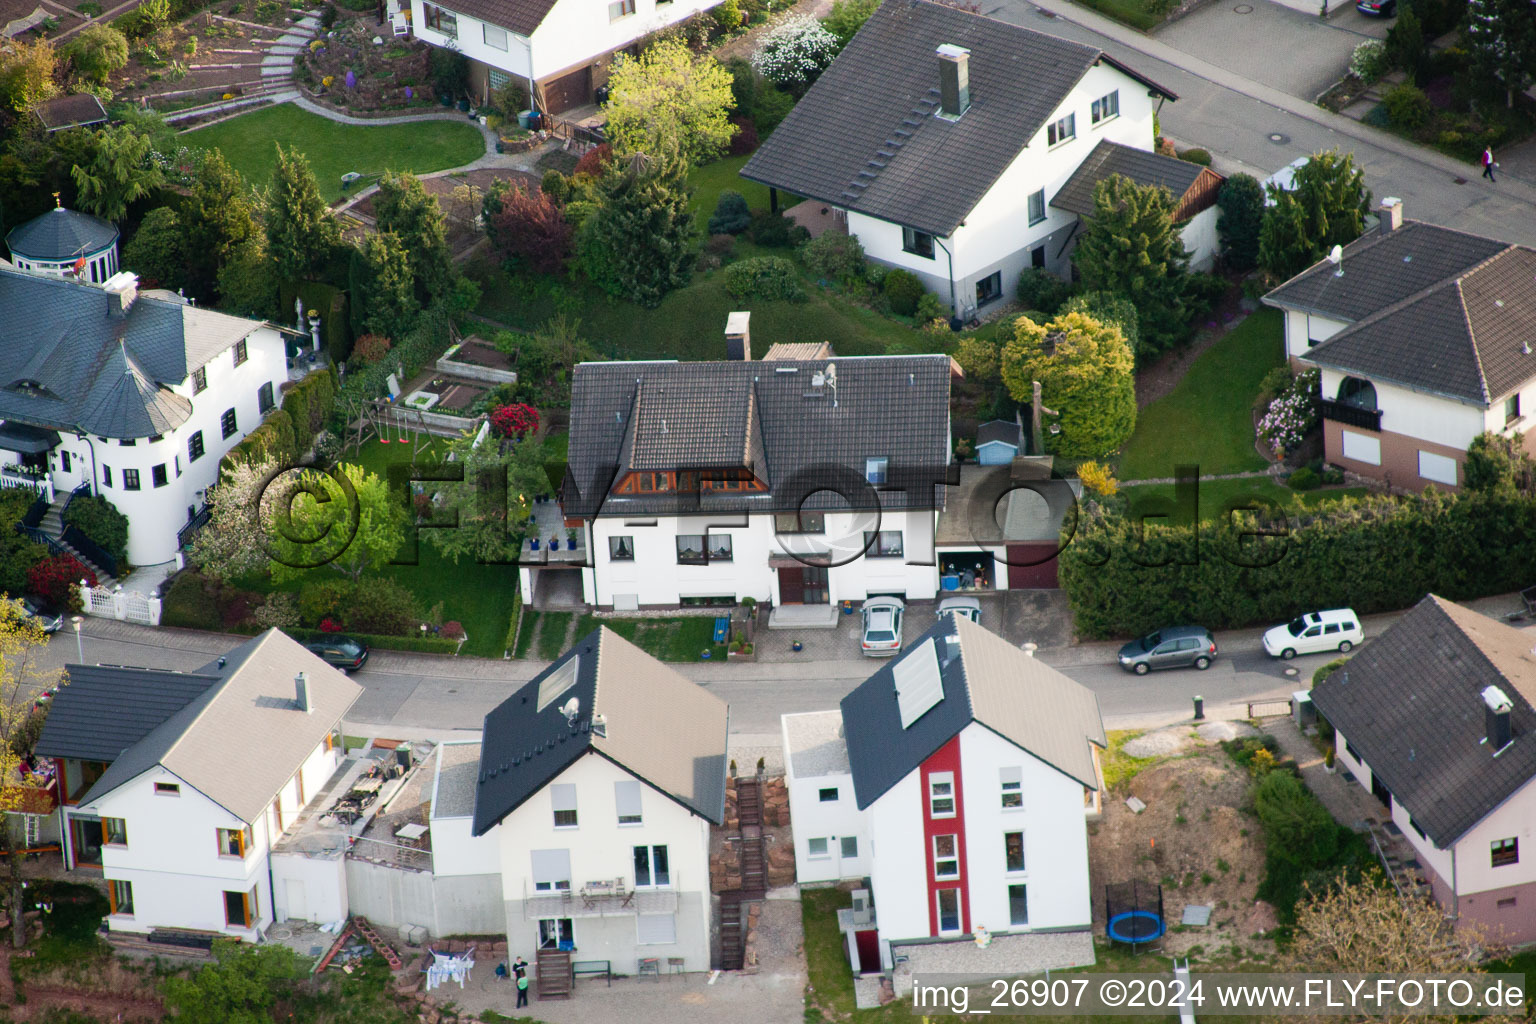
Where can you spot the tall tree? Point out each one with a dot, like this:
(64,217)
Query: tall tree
(317,520)
(247,282)
(158,251)
(121,171)
(26,73)
(219,217)
(666,94)
(383,287)
(1326,206)
(1499,465)
(1132,246)
(490,505)
(1501,46)
(22,677)
(301,233)
(1085,370)
(531,230)
(1241,216)
(638,242)
(402,206)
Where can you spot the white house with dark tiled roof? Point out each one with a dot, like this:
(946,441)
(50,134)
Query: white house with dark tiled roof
(1426,338)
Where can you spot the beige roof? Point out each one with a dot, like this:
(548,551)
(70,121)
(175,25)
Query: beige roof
(241,740)
(814,742)
(798,350)
(1508,649)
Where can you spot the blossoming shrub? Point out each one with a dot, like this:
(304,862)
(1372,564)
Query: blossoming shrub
(795,52)
(1291,414)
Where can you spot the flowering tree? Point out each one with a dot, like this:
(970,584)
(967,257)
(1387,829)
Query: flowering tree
(1292,414)
(670,95)
(57,580)
(531,230)
(517,420)
(795,52)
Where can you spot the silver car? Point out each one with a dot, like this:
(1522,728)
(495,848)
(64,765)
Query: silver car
(882,627)
(965,607)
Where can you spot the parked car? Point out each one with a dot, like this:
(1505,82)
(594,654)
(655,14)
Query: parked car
(1377,8)
(965,607)
(1334,630)
(882,627)
(1174,647)
(341,652)
(51,623)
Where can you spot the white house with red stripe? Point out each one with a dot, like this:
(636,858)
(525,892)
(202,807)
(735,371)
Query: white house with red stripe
(974,769)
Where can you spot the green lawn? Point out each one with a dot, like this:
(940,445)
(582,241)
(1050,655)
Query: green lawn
(679,639)
(1128,12)
(1214,495)
(723,176)
(334,149)
(1207,420)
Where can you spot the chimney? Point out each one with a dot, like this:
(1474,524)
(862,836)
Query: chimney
(954,81)
(301,694)
(1391,214)
(738,336)
(1029,649)
(1496,708)
(122,288)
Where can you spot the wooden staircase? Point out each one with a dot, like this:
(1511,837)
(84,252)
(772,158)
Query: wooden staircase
(554,974)
(733,923)
(754,869)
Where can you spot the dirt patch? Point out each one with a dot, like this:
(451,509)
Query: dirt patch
(1196,839)
(1158,378)
(114,992)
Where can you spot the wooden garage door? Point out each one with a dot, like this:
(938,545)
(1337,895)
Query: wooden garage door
(1027,571)
(567,91)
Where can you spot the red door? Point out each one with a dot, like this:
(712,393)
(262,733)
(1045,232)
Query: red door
(869,950)
(791,586)
(1032,566)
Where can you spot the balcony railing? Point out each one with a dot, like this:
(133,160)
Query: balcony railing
(1351,415)
(39,485)
(616,898)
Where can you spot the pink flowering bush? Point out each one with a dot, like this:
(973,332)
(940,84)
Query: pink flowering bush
(1292,414)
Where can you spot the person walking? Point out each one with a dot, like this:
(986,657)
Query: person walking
(522,989)
(1489,163)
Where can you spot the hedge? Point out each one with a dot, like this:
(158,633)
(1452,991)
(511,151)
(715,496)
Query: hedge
(517,615)
(1458,546)
(420,644)
(422,344)
(309,404)
(331,303)
(101,522)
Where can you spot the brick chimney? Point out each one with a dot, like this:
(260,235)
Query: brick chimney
(122,289)
(954,80)
(1391,214)
(738,336)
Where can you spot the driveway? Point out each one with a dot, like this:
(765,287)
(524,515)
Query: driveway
(1302,55)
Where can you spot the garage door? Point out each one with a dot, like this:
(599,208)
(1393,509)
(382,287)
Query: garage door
(1032,566)
(572,90)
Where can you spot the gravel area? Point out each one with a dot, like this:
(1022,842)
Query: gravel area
(1219,732)
(1008,956)
(1161,743)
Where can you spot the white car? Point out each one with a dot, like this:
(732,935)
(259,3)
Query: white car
(965,607)
(882,627)
(1335,630)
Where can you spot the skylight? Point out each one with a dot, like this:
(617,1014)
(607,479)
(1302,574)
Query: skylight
(557,682)
(918,683)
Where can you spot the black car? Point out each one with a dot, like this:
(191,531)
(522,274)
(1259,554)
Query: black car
(1377,8)
(51,621)
(341,652)
(1174,647)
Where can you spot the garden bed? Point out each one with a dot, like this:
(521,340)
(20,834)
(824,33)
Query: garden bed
(356,69)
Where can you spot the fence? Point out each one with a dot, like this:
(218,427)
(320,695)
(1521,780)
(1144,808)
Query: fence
(399,855)
(1268,708)
(120,604)
(40,486)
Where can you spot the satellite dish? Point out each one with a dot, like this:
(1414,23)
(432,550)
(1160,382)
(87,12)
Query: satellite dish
(570,709)
(1336,254)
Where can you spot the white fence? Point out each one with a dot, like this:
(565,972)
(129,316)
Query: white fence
(37,485)
(117,603)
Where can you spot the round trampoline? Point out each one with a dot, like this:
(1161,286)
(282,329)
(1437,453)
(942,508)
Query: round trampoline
(1135,927)
(1133,912)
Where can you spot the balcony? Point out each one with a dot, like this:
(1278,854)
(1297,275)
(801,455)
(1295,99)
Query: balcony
(604,898)
(1351,415)
(548,526)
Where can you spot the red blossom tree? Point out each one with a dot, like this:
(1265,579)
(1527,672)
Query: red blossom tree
(57,580)
(593,160)
(370,348)
(517,420)
(531,229)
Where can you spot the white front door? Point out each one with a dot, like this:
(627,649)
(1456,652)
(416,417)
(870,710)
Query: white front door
(298,900)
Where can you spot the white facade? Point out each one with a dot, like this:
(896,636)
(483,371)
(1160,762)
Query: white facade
(831,834)
(1304,330)
(1433,418)
(997,236)
(670,919)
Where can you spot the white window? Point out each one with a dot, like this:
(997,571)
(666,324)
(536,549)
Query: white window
(563,797)
(948,902)
(1011,781)
(946,856)
(620,9)
(656,929)
(875,469)
(1105,108)
(626,796)
(1061,131)
(1362,448)
(651,866)
(941,795)
(1036,207)
(850,846)
(816,848)
(551,870)
(495,38)
(1439,468)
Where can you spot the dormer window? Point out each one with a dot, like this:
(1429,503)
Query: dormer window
(875,470)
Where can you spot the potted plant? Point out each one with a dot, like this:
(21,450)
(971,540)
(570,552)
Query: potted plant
(963,450)
(533,543)
(1328,756)
(570,539)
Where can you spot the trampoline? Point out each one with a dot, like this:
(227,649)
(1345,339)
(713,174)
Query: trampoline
(1134,913)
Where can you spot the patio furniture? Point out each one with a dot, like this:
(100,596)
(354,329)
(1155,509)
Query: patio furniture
(675,965)
(722,629)
(649,965)
(593,968)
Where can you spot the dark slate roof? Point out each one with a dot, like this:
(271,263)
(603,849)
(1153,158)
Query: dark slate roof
(61,234)
(520,16)
(96,373)
(986,680)
(865,137)
(665,730)
(1410,704)
(1382,268)
(1471,337)
(1140,165)
(103,710)
(759,416)
(71,111)
(1006,431)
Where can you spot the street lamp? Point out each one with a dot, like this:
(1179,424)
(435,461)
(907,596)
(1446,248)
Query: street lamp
(75,621)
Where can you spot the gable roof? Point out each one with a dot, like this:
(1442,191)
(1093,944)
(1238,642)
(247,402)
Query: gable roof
(994,431)
(1410,703)
(102,712)
(665,730)
(762,416)
(1140,165)
(865,137)
(60,234)
(1468,336)
(96,373)
(240,740)
(71,111)
(985,679)
(520,16)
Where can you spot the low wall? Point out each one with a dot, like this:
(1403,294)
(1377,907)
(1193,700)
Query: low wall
(471,371)
(396,897)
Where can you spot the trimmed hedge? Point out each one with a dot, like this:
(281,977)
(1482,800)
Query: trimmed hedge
(1458,546)
(328,301)
(427,340)
(422,645)
(517,615)
(763,277)
(101,522)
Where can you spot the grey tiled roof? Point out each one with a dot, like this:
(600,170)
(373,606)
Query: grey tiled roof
(521,16)
(1471,336)
(95,373)
(453,791)
(645,705)
(1140,165)
(865,137)
(1006,431)
(987,680)
(104,711)
(758,415)
(60,234)
(1410,705)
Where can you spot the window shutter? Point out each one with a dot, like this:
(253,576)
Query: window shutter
(552,867)
(626,795)
(564,796)
(656,929)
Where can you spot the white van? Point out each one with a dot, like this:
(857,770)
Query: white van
(1335,630)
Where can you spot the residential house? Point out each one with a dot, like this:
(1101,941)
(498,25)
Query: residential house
(176,786)
(1437,718)
(801,482)
(973,769)
(602,809)
(560,50)
(946,142)
(1424,337)
(134,397)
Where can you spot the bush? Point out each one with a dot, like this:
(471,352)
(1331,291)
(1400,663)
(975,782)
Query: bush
(795,52)
(731,214)
(593,161)
(903,290)
(720,246)
(1407,106)
(373,605)
(763,277)
(18,554)
(449,70)
(773,106)
(1369,60)
(1042,290)
(98,51)
(280,610)
(847,17)
(555,185)
(1303,479)
(328,16)
(191,603)
(1275,383)
(370,349)
(1196,156)
(516,420)
(834,256)
(1302,842)
(773,230)
(1239,219)
(1108,308)
(532,232)
(101,522)
(745,140)
(728,16)
(56,580)
(932,313)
